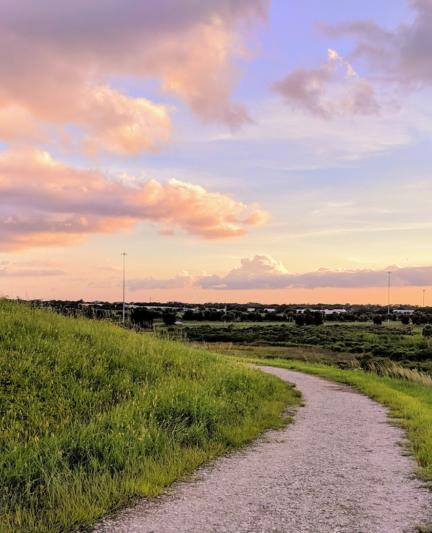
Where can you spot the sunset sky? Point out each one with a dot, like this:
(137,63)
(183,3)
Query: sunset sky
(237,150)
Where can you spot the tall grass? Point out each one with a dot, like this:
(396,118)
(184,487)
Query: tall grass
(93,415)
(393,370)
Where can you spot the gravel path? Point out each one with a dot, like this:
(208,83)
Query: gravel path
(338,468)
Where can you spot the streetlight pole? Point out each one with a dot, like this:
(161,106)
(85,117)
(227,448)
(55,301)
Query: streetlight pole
(124,254)
(388,296)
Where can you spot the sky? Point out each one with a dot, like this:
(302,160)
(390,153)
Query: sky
(237,150)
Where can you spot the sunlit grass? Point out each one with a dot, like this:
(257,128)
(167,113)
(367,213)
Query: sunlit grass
(93,416)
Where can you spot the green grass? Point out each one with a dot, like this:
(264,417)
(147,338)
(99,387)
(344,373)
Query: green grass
(311,354)
(340,342)
(93,416)
(409,402)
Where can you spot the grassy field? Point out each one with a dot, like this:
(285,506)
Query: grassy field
(311,354)
(410,403)
(93,416)
(340,342)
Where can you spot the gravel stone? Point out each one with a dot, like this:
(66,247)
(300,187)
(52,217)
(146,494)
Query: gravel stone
(340,467)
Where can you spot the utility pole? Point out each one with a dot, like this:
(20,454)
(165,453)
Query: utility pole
(424,298)
(124,254)
(388,296)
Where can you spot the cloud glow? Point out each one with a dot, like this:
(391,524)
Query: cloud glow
(44,202)
(263,272)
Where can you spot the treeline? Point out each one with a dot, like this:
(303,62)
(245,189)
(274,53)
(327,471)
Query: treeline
(144,314)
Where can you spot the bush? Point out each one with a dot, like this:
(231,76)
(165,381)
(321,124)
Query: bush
(169,318)
(142,317)
(427,332)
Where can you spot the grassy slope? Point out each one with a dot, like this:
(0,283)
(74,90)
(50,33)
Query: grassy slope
(410,403)
(92,415)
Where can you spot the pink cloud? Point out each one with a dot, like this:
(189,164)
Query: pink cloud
(264,272)
(44,202)
(56,60)
(332,89)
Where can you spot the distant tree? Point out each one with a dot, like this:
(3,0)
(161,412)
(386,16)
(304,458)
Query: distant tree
(299,319)
(419,319)
(198,316)
(427,332)
(253,317)
(318,318)
(189,315)
(377,320)
(313,318)
(99,313)
(290,317)
(142,317)
(405,319)
(212,315)
(169,318)
(229,316)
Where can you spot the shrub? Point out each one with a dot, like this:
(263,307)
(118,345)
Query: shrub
(378,320)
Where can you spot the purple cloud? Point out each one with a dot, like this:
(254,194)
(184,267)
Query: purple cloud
(263,272)
(400,56)
(332,89)
(57,60)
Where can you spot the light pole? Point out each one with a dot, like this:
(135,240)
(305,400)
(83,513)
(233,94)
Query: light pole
(124,254)
(388,296)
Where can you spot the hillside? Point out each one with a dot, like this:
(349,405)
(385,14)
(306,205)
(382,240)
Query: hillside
(93,416)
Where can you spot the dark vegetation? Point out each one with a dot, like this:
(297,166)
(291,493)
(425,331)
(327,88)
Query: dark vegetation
(144,314)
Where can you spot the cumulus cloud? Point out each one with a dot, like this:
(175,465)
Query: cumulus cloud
(57,61)
(112,121)
(264,272)
(401,55)
(44,202)
(332,89)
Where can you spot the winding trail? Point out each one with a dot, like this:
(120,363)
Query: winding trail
(338,468)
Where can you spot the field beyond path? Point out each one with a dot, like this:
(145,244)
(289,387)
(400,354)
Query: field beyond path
(338,468)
